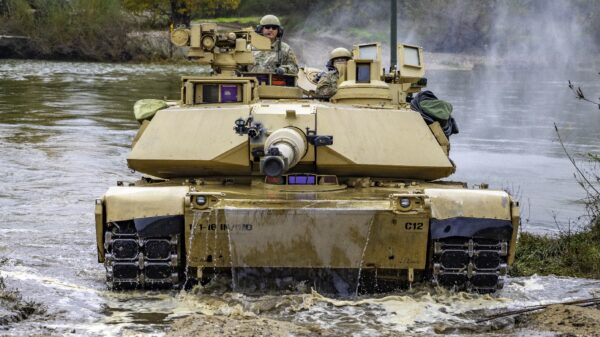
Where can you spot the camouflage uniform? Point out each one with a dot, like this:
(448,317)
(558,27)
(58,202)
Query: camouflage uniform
(265,61)
(327,85)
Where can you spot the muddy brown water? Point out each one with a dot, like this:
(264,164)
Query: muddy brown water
(65,130)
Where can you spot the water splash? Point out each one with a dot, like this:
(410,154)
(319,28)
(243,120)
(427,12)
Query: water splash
(215,240)
(233,272)
(190,245)
(362,258)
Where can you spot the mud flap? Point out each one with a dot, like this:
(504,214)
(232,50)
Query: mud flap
(159,225)
(477,228)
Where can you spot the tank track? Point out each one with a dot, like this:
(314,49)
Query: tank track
(134,262)
(470,264)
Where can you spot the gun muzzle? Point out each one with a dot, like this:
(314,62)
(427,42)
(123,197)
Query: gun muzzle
(284,149)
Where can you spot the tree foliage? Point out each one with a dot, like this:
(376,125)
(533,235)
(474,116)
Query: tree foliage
(533,29)
(179,12)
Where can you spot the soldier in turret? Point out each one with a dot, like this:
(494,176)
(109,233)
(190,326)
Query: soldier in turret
(280,59)
(328,80)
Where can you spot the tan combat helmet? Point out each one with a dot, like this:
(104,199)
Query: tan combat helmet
(270,19)
(339,53)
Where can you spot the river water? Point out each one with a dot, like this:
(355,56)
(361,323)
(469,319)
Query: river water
(65,131)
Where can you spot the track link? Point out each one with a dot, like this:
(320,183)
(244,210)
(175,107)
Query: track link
(135,262)
(470,264)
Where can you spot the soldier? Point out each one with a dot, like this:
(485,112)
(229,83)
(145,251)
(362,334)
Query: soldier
(327,82)
(280,59)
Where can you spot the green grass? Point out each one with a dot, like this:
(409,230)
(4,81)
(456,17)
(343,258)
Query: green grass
(566,254)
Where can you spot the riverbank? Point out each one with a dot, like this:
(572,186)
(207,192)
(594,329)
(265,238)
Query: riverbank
(311,48)
(574,254)
(566,320)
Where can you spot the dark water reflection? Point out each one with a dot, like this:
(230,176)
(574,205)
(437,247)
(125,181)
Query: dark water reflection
(65,130)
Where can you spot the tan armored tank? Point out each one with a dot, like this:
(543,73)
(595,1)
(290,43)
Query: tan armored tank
(250,177)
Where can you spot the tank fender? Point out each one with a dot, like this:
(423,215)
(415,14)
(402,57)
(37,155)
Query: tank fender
(135,202)
(155,211)
(481,214)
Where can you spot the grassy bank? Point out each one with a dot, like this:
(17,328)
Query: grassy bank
(566,254)
(570,253)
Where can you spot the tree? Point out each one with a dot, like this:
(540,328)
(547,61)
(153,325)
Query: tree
(179,12)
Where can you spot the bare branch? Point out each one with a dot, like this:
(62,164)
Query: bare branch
(583,176)
(579,94)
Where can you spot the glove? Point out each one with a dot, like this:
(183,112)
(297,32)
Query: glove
(280,71)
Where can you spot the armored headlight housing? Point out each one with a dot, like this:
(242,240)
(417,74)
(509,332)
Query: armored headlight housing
(405,202)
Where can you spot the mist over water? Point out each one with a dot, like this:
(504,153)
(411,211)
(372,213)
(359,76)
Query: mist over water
(555,33)
(551,35)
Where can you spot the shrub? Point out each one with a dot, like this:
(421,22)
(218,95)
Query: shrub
(76,29)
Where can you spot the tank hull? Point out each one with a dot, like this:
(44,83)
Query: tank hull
(160,234)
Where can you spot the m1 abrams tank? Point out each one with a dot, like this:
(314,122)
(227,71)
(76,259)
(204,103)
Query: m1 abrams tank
(248,176)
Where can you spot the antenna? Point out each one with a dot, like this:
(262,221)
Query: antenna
(393,32)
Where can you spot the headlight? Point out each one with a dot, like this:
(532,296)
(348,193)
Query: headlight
(405,202)
(201,200)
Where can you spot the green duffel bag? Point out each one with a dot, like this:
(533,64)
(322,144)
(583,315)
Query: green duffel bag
(144,109)
(436,108)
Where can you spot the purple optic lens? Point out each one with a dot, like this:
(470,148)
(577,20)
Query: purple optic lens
(229,93)
(301,180)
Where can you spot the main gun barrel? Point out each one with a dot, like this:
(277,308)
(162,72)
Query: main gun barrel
(284,149)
